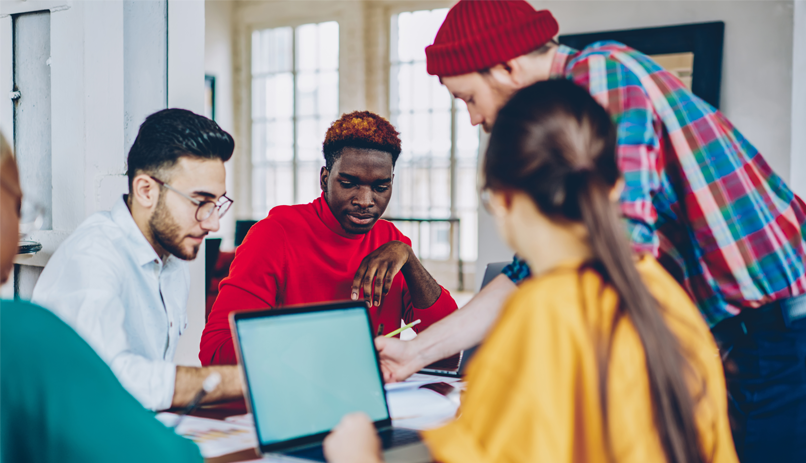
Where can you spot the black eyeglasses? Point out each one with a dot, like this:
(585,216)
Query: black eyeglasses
(204,208)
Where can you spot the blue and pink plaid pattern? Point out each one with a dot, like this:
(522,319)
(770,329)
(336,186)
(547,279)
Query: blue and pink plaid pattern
(697,195)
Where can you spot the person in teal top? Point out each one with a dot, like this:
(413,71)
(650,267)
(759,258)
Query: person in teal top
(58,400)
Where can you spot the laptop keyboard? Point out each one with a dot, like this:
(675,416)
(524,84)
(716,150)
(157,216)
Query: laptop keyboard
(398,437)
(391,438)
(311,453)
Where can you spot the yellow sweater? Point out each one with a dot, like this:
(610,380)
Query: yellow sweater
(533,387)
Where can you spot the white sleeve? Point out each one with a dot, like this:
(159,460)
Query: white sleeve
(84,291)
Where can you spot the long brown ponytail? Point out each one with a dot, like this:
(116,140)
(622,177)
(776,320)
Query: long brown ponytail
(555,143)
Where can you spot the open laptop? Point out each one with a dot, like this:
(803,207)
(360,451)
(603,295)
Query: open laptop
(305,368)
(456,365)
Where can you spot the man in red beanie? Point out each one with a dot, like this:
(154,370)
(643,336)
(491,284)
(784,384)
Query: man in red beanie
(697,195)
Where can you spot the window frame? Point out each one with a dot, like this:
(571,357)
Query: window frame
(454,161)
(295,117)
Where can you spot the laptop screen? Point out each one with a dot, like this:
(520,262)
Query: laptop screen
(307,370)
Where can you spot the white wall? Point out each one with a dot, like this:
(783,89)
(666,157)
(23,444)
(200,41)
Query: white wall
(108,71)
(757,73)
(218,62)
(798,173)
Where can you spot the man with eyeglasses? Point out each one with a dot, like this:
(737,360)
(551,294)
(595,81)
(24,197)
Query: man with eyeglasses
(121,280)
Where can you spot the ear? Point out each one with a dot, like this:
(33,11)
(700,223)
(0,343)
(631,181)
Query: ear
(501,202)
(618,188)
(505,75)
(323,176)
(145,192)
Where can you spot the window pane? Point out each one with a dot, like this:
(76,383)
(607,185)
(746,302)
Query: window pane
(324,123)
(441,134)
(440,96)
(308,139)
(441,191)
(422,34)
(281,185)
(329,46)
(306,94)
(404,32)
(280,50)
(422,134)
(258,142)
(259,208)
(405,80)
(271,51)
(308,182)
(304,103)
(402,123)
(258,64)
(435,20)
(467,136)
(258,98)
(280,140)
(420,87)
(470,229)
(307,42)
(328,92)
(279,90)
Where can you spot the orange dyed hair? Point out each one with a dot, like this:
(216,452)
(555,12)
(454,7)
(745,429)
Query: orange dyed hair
(360,129)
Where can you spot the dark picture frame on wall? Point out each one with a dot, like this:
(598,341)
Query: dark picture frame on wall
(703,40)
(209,96)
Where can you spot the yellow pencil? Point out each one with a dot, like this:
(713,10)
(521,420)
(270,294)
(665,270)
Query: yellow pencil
(415,322)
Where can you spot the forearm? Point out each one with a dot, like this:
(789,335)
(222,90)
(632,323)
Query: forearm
(423,288)
(189,382)
(466,327)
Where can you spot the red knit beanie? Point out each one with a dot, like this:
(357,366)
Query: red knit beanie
(478,34)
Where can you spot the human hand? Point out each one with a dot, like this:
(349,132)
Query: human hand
(353,440)
(381,266)
(399,359)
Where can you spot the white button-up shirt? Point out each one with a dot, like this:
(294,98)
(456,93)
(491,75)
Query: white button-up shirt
(108,283)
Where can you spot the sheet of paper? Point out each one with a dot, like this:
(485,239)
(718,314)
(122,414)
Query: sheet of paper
(214,437)
(419,408)
(243,420)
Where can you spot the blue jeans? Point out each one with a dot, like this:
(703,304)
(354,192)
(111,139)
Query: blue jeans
(764,355)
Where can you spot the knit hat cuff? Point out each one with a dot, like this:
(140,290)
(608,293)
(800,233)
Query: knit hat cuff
(498,45)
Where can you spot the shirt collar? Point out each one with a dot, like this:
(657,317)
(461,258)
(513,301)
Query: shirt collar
(139,247)
(561,58)
(330,221)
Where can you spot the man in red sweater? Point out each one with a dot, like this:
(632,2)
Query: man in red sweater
(334,248)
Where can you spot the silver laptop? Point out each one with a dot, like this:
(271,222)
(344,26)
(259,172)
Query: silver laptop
(305,368)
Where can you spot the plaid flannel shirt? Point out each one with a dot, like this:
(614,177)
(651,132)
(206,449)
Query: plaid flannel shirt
(697,195)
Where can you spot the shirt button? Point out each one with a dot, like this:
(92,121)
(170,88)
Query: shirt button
(172,324)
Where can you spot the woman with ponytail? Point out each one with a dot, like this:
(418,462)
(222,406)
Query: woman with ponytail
(601,356)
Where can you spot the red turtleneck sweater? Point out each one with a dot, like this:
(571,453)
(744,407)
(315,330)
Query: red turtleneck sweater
(301,254)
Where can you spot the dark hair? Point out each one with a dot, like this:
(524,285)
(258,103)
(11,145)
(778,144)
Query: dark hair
(554,142)
(170,134)
(360,129)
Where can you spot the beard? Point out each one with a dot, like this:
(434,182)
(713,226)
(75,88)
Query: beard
(167,232)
